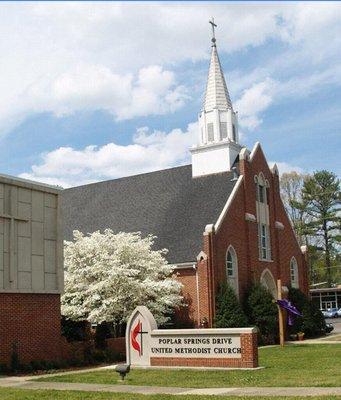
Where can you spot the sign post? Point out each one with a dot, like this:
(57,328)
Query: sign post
(280,313)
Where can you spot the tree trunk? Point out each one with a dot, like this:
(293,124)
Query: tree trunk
(327,255)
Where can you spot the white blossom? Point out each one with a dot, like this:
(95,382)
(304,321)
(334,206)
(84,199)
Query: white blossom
(107,275)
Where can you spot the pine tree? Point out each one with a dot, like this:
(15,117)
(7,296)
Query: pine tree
(321,196)
(229,312)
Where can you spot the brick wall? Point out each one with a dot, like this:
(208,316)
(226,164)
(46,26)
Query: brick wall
(31,322)
(249,357)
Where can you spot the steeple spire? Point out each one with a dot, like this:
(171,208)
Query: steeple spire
(217,95)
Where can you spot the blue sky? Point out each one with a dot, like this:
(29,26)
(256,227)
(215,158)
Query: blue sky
(94,91)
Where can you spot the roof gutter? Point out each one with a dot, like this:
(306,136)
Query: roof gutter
(185,265)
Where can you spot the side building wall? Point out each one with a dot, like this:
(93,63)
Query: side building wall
(31,271)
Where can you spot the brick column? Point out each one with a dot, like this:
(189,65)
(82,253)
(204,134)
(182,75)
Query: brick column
(249,343)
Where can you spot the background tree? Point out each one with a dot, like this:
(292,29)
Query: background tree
(229,313)
(321,199)
(291,192)
(107,275)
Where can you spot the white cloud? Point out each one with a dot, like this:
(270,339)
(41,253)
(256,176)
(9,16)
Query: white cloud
(253,102)
(149,151)
(92,87)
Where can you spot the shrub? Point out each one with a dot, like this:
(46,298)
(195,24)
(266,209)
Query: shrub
(3,368)
(262,312)
(74,330)
(229,312)
(312,322)
(103,331)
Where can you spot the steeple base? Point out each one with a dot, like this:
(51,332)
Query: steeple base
(214,158)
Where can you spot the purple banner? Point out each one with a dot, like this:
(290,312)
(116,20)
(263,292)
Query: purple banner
(292,310)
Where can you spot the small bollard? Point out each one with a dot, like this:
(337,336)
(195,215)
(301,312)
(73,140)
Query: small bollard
(123,370)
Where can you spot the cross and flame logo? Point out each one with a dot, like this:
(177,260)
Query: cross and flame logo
(137,337)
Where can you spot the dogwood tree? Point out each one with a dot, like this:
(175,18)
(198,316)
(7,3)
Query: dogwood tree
(107,275)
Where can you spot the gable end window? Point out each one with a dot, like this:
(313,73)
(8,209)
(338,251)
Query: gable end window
(263,242)
(261,193)
(263,217)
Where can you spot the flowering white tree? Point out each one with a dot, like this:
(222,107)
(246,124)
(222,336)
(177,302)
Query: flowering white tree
(107,275)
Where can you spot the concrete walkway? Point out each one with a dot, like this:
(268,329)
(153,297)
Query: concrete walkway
(25,383)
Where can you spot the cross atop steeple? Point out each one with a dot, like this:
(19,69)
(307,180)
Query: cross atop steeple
(213,33)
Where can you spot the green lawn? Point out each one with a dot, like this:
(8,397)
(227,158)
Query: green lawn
(20,394)
(295,365)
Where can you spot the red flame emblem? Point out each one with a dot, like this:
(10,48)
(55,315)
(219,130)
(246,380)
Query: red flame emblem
(136,331)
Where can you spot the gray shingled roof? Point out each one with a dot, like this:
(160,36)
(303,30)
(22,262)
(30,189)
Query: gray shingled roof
(169,204)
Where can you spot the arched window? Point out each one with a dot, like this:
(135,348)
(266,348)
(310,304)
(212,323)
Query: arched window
(268,281)
(294,273)
(232,268)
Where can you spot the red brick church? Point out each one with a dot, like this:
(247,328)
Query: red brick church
(221,218)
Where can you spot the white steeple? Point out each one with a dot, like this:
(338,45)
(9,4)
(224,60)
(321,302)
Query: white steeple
(218,124)
(217,95)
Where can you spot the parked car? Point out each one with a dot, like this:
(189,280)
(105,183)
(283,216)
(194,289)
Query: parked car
(330,313)
(339,313)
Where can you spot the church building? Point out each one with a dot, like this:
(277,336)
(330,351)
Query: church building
(221,217)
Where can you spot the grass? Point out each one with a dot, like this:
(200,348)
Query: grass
(300,365)
(21,394)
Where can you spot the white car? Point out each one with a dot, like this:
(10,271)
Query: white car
(339,312)
(330,313)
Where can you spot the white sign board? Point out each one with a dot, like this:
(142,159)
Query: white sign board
(192,345)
